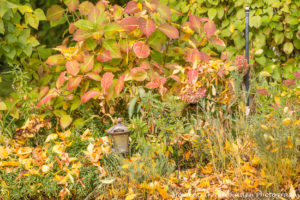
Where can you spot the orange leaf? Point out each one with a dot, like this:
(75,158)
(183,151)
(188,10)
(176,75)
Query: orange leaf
(106,81)
(120,84)
(72,67)
(90,94)
(141,50)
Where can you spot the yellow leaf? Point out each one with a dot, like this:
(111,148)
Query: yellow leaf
(277,100)
(290,143)
(24,151)
(162,192)
(295,123)
(65,134)
(9,164)
(45,168)
(51,137)
(2,106)
(130,197)
(125,166)
(292,192)
(286,121)
(3,153)
(59,149)
(274,150)
(265,74)
(264,127)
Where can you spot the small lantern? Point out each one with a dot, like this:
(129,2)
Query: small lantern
(120,135)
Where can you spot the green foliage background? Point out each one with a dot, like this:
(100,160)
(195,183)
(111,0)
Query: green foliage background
(274,30)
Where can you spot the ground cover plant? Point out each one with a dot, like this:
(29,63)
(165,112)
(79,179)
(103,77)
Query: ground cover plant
(173,71)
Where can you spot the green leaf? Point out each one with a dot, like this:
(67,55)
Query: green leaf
(220,12)
(113,47)
(90,44)
(296,43)
(156,40)
(131,107)
(255,21)
(2,30)
(279,38)
(79,123)
(65,121)
(84,24)
(33,41)
(39,13)
(25,9)
(32,20)
(27,50)
(110,29)
(212,12)
(288,48)
(292,20)
(261,60)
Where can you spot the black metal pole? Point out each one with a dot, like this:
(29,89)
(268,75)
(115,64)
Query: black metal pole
(247,57)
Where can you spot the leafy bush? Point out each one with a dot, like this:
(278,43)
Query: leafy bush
(117,42)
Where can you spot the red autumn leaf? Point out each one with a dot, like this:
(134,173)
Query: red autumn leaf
(72,67)
(193,76)
(55,60)
(90,94)
(157,82)
(61,79)
(85,7)
(195,23)
(48,97)
(145,65)
(289,82)
(224,55)
(192,56)
(72,4)
(88,63)
(72,28)
(210,28)
(129,24)
(81,35)
(204,57)
(158,68)
(141,50)
(218,41)
(73,83)
(221,72)
(297,75)
(241,63)
(147,26)
(104,56)
(138,74)
(131,8)
(94,76)
(120,84)
(93,14)
(106,81)
(175,78)
(43,91)
(263,92)
(169,30)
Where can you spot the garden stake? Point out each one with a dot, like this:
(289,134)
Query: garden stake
(247,57)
